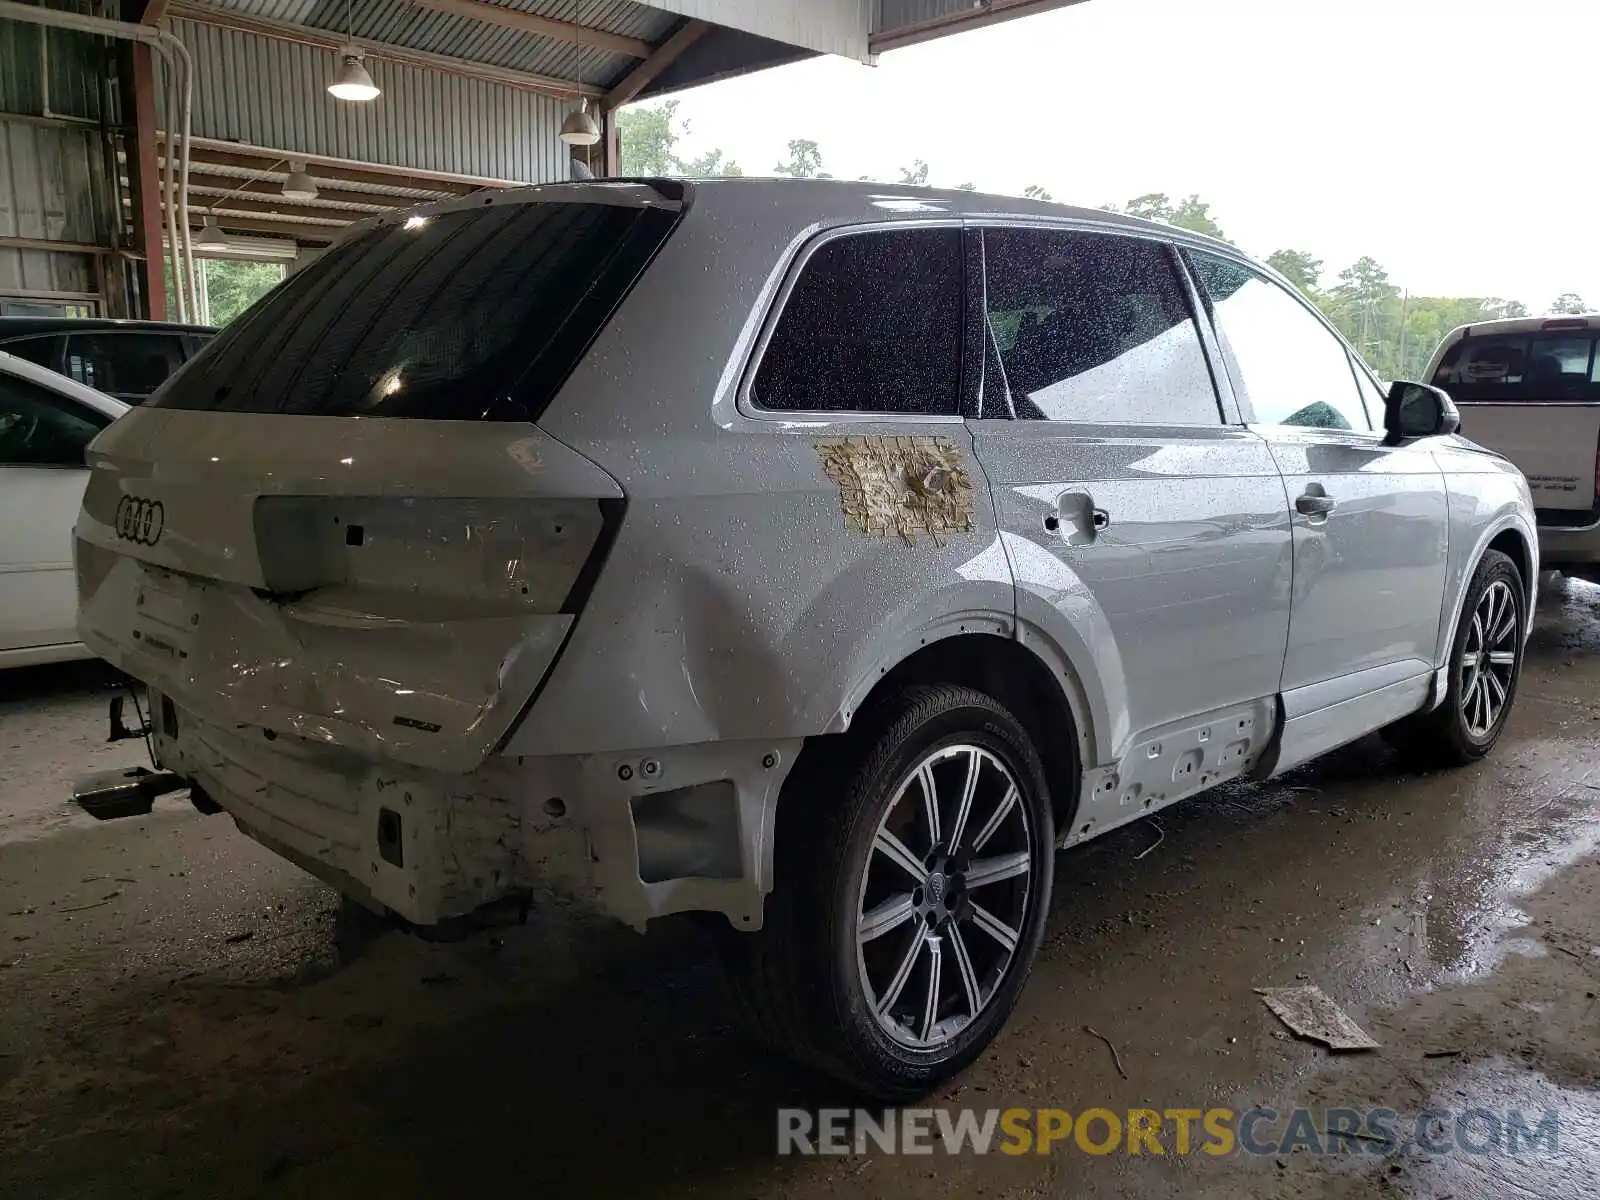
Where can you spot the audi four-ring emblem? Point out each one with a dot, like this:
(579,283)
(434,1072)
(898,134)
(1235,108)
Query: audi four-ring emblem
(139,520)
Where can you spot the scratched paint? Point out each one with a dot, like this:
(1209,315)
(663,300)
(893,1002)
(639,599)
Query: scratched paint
(900,485)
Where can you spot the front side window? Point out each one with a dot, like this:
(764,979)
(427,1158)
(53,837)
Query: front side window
(873,324)
(40,429)
(1093,328)
(1284,362)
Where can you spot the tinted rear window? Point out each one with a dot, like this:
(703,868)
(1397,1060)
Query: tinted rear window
(1522,366)
(475,314)
(873,325)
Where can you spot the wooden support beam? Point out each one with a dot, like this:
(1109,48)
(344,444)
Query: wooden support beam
(200,206)
(261,160)
(662,57)
(144,171)
(321,235)
(223,185)
(8,242)
(545,27)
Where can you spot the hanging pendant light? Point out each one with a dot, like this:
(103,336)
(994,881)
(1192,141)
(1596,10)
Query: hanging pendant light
(354,83)
(299,185)
(210,234)
(580,129)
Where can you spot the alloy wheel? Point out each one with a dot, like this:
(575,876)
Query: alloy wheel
(944,896)
(1489,659)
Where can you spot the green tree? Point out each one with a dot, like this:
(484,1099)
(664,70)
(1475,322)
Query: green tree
(916,174)
(1034,192)
(648,139)
(232,287)
(1568,304)
(649,134)
(804,162)
(712,164)
(1194,214)
(1299,267)
(1152,206)
(1364,305)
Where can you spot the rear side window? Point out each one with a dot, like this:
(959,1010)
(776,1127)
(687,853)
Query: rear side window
(1521,366)
(44,350)
(873,324)
(473,314)
(1094,328)
(131,364)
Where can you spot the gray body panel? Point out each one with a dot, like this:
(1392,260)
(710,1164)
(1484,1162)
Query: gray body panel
(739,610)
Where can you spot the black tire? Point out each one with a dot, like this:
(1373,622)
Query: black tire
(799,982)
(1445,737)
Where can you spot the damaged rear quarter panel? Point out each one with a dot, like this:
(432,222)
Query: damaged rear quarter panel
(743,599)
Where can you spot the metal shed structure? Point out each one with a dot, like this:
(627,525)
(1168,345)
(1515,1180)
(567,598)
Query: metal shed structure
(473,94)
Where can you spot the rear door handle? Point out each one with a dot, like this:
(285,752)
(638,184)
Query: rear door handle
(1313,504)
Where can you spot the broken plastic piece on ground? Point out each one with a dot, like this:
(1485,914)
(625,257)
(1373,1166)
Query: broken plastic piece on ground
(1309,1013)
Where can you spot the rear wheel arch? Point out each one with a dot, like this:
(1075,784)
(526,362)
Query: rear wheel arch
(1049,704)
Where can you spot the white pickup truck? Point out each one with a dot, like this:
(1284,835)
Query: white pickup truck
(1529,388)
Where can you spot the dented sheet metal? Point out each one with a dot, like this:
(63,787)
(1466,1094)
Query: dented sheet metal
(900,485)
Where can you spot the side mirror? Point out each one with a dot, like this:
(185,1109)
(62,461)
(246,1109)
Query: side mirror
(1415,410)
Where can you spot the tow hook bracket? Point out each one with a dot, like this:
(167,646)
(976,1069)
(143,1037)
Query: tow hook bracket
(131,792)
(119,730)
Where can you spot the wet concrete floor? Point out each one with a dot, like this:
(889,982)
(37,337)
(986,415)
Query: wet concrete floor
(183,1015)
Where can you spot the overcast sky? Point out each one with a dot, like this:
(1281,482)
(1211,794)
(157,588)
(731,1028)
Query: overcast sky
(1452,140)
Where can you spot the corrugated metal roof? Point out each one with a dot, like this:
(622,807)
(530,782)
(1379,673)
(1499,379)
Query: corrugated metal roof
(269,92)
(399,23)
(826,26)
(902,22)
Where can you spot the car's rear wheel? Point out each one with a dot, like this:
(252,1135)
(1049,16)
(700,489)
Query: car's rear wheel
(1485,666)
(908,906)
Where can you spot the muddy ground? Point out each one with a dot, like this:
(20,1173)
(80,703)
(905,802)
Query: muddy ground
(183,1015)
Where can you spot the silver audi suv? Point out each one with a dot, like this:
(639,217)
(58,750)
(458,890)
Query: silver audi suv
(818,556)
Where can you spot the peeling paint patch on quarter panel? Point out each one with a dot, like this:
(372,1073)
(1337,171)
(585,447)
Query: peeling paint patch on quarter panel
(900,485)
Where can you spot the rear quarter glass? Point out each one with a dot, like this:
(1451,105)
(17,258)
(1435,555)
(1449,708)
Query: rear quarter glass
(469,314)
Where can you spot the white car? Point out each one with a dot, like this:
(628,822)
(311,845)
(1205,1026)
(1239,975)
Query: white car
(802,553)
(46,423)
(1529,388)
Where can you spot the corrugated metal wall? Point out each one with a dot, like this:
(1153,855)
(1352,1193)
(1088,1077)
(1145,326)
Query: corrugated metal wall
(54,173)
(79,68)
(827,26)
(52,188)
(273,93)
